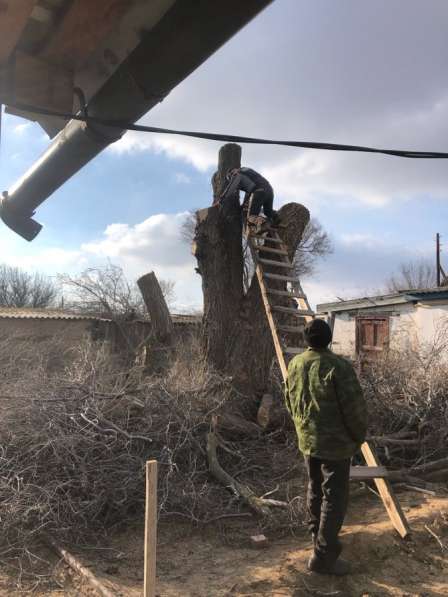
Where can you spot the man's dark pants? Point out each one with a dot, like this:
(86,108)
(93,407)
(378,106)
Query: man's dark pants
(262,198)
(327,500)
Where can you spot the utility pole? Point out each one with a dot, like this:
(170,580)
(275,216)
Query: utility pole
(438,259)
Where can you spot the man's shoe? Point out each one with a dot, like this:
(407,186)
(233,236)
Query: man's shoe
(339,568)
(257,223)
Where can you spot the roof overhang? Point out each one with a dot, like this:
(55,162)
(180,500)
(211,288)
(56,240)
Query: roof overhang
(124,55)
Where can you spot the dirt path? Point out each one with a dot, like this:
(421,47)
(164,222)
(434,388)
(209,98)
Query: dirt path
(218,561)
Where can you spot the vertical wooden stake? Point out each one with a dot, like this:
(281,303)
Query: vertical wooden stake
(150,529)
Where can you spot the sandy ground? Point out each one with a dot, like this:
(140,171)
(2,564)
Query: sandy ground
(218,561)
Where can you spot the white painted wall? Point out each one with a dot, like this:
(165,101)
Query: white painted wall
(411,327)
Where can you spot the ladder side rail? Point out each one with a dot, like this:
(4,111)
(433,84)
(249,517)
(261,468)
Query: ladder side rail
(267,306)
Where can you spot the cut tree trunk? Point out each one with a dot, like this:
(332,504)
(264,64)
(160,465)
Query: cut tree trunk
(236,333)
(161,322)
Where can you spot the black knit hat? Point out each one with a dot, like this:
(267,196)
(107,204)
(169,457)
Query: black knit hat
(318,334)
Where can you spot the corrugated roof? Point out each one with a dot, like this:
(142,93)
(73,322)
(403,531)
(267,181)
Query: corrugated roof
(400,297)
(29,313)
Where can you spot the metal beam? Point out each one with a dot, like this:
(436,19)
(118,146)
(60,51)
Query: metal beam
(185,37)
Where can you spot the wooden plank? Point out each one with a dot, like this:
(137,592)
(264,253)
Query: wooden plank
(38,83)
(286,293)
(294,349)
(84,25)
(268,239)
(13,17)
(386,492)
(292,311)
(292,329)
(266,249)
(276,263)
(279,277)
(149,589)
(359,473)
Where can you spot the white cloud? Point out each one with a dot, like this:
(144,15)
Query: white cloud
(152,245)
(20,129)
(182,178)
(316,71)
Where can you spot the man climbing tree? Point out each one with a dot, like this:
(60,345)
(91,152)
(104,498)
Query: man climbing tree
(259,195)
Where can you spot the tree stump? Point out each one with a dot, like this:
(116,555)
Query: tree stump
(161,322)
(237,337)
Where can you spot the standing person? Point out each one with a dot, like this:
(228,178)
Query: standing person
(252,183)
(325,400)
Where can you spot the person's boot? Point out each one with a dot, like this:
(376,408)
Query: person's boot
(339,567)
(256,223)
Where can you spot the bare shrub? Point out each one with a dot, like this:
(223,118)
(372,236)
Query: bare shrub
(106,292)
(408,390)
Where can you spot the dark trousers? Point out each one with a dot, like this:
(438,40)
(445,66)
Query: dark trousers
(327,500)
(262,198)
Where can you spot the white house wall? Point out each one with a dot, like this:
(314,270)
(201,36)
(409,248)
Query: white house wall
(410,326)
(344,335)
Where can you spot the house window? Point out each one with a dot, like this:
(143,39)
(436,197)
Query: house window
(372,335)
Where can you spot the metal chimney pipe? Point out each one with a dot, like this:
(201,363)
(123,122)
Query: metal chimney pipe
(72,148)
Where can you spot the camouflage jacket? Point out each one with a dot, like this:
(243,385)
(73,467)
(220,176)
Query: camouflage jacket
(326,403)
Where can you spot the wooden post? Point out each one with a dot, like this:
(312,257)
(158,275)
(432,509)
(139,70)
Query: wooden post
(438,260)
(150,529)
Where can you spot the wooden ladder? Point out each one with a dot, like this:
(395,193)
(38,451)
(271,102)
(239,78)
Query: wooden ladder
(284,299)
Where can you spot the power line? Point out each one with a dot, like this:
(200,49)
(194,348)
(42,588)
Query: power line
(84,117)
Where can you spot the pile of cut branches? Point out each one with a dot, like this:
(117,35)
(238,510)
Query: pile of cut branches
(74,442)
(407,397)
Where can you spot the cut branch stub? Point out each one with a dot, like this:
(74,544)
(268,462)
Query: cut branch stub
(161,322)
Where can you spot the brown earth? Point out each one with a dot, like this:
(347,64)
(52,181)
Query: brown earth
(218,561)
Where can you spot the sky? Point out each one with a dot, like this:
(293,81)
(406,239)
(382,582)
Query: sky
(368,73)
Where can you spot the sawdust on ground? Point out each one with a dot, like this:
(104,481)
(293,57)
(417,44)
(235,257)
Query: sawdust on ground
(218,561)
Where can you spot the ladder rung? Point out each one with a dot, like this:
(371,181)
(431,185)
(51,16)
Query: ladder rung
(279,277)
(270,239)
(368,472)
(287,293)
(276,263)
(293,350)
(292,311)
(293,329)
(270,250)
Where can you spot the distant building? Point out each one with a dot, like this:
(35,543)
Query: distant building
(363,328)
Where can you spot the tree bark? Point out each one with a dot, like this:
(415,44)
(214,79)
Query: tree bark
(236,333)
(217,247)
(161,322)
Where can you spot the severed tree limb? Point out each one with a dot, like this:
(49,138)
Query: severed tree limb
(245,493)
(392,441)
(436,465)
(438,475)
(76,565)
